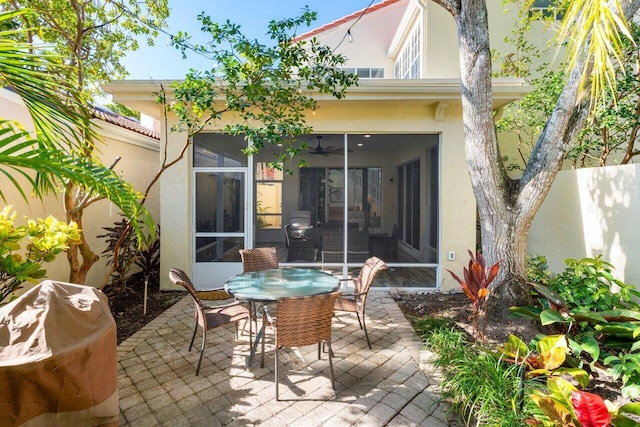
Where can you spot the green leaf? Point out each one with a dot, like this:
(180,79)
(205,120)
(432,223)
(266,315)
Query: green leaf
(623,330)
(620,315)
(514,348)
(549,317)
(526,312)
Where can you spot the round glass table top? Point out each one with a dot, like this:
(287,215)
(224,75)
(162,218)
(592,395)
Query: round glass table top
(269,285)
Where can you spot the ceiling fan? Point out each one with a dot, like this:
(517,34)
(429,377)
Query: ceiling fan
(325,151)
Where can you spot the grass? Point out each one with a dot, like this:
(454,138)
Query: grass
(482,387)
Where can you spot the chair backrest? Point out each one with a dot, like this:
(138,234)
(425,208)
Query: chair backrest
(305,320)
(259,259)
(181,278)
(367,273)
(358,245)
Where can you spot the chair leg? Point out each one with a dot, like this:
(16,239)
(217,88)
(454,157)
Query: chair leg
(276,374)
(193,337)
(359,321)
(366,334)
(333,383)
(319,351)
(204,340)
(263,340)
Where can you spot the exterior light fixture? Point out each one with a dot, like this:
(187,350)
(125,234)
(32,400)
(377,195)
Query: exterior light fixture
(349,36)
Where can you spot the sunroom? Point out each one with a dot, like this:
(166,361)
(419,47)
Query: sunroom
(385,205)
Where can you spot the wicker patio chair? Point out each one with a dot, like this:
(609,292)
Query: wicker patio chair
(259,259)
(208,317)
(302,321)
(357,302)
(255,260)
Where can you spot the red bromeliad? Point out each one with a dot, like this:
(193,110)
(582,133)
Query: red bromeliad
(475,285)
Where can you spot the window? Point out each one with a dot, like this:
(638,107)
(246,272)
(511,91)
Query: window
(408,63)
(268,197)
(409,203)
(365,73)
(544,9)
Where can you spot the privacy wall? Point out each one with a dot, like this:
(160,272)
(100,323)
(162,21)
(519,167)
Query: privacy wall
(590,212)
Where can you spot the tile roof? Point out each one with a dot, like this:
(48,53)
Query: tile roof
(344,19)
(122,121)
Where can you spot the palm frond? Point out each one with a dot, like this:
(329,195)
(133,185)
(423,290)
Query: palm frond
(594,31)
(59,115)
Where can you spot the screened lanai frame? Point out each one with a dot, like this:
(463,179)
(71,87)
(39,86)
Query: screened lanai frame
(346,147)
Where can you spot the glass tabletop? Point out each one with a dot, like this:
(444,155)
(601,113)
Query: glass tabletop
(269,285)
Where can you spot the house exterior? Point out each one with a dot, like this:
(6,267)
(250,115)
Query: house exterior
(398,134)
(137,147)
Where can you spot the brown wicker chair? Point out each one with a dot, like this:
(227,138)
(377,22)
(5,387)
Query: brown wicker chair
(255,260)
(302,321)
(259,259)
(208,317)
(357,302)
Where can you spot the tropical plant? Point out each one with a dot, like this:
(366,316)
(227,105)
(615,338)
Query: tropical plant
(25,248)
(564,405)
(548,359)
(589,284)
(131,255)
(475,285)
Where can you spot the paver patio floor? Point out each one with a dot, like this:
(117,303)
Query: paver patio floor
(383,386)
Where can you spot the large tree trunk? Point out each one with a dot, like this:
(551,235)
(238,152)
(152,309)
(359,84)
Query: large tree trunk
(507,207)
(504,226)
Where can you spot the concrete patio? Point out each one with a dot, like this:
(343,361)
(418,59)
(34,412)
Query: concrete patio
(384,386)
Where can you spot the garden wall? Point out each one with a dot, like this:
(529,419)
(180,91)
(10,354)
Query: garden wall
(589,212)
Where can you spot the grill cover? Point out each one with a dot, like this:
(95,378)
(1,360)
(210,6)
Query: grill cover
(58,360)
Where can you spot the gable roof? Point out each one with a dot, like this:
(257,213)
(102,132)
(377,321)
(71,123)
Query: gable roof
(122,121)
(345,19)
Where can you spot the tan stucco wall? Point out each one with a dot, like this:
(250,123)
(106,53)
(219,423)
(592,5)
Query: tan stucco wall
(139,163)
(441,40)
(590,212)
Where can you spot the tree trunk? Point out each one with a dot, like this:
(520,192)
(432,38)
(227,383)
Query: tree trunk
(80,256)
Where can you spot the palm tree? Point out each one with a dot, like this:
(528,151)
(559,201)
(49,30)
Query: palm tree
(62,123)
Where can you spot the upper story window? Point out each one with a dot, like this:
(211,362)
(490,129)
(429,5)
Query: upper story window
(408,62)
(365,72)
(544,9)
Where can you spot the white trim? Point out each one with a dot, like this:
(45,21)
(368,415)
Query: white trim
(412,14)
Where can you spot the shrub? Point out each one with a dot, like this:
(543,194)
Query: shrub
(43,240)
(588,284)
(538,270)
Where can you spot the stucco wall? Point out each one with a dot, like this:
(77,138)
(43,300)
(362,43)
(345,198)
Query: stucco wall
(139,163)
(590,212)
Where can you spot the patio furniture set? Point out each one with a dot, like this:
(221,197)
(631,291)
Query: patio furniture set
(305,302)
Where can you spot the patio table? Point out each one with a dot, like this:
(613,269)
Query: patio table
(270,285)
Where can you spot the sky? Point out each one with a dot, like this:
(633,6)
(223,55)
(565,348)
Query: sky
(162,61)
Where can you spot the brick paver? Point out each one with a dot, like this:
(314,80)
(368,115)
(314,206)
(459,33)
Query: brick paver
(390,384)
